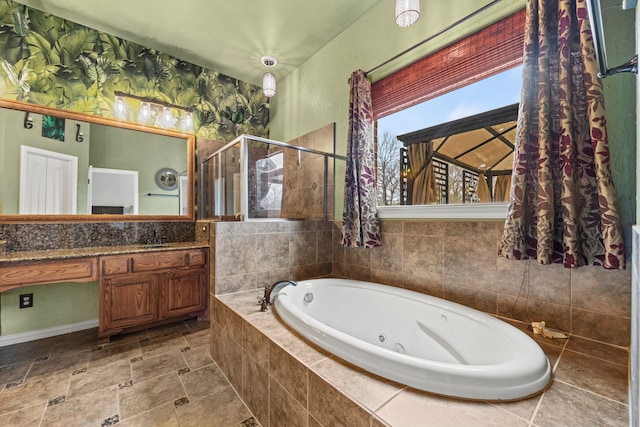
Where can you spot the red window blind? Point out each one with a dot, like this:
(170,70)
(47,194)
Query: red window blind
(491,50)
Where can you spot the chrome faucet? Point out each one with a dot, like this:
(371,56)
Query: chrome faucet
(265,301)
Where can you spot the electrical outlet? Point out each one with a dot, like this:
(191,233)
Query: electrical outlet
(26,300)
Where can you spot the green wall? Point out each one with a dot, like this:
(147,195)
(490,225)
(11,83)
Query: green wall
(317,93)
(53,305)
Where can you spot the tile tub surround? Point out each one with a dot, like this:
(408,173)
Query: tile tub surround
(284,380)
(457,261)
(45,236)
(253,254)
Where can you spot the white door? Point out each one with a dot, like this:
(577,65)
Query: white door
(48,182)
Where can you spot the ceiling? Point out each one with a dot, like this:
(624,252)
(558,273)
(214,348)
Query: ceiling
(225,36)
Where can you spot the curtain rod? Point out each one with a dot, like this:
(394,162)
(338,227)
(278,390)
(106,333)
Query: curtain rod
(431,37)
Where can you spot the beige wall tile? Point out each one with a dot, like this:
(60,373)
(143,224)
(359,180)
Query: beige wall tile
(606,291)
(550,283)
(256,344)
(332,408)
(303,248)
(479,299)
(289,372)
(470,261)
(423,256)
(272,251)
(529,310)
(390,255)
(255,387)
(235,255)
(235,283)
(601,327)
(284,410)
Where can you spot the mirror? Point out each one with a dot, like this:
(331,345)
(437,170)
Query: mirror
(64,166)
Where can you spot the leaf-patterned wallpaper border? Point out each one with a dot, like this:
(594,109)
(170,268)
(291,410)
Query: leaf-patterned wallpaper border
(50,61)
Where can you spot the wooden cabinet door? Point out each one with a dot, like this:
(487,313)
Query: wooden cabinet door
(129,300)
(183,292)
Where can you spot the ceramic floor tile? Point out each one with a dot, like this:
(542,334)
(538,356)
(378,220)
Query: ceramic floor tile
(165,344)
(565,405)
(15,372)
(75,341)
(59,364)
(107,355)
(26,351)
(203,381)
(162,416)
(88,409)
(599,376)
(198,357)
(30,393)
(145,395)
(150,367)
(610,353)
(221,409)
(198,339)
(97,378)
(29,416)
(178,328)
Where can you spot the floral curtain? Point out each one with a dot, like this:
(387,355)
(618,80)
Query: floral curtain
(563,205)
(360,226)
(422,178)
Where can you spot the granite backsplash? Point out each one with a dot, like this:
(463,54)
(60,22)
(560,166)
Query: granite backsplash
(36,237)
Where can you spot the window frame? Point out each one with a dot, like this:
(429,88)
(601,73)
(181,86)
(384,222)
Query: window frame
(489,51)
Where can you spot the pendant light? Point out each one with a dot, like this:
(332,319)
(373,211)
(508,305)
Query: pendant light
(268,78)
(407,12)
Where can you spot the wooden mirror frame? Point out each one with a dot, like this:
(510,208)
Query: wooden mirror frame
(189,137)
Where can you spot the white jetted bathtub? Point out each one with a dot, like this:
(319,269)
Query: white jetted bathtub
(424,342)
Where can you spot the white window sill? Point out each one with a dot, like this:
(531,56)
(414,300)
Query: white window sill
(483,211)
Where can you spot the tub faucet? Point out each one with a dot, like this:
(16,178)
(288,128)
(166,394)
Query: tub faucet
(265,301)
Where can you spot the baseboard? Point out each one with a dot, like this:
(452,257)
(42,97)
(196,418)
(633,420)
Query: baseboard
(46,333)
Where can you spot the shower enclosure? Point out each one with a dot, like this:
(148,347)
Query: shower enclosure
(254,178)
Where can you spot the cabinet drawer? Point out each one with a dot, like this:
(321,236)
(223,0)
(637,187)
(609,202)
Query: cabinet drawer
(30,273)
(159,260)
(197,258)
(117,264)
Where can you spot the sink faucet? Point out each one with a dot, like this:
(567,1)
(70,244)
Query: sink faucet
(265,301)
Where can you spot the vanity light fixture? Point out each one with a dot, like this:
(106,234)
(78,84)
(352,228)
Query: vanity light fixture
(144,113)
(120,107)
(268,78)
(187,121)
(157,113)
(28,120)
(79,133)
(407,12)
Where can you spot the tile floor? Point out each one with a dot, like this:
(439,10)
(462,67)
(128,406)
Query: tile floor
(165,377)
(158,377)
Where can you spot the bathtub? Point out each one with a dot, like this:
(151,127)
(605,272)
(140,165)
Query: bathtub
(421,341)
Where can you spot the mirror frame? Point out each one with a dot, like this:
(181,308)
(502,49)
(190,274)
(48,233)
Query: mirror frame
(71,115)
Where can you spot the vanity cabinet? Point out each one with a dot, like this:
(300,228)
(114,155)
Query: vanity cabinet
(138,290)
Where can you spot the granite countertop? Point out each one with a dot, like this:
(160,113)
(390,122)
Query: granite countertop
(51,254)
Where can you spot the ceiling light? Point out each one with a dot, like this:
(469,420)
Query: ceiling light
(407,12)
(268,78)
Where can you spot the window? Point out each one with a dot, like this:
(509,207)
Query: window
(450,117)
